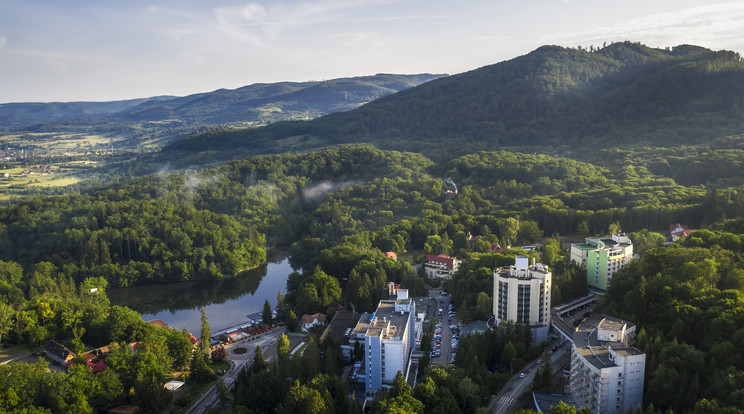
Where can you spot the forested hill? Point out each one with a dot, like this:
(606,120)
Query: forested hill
(272,102)
(256,104)
(554,98)
(29,113)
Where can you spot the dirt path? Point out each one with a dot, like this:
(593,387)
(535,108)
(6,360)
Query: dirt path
(16,353)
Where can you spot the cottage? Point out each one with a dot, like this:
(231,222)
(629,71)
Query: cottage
(678,231)
(308,321)
(59,354)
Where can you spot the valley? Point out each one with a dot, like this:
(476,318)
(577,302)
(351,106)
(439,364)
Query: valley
(118,215)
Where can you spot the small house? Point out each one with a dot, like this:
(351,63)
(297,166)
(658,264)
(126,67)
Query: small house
(59,353)
(308,321)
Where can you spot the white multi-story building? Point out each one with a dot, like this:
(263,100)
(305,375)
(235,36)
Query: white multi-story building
(606,370)
(602,258)
(521,293)
(389,336)
(441,266)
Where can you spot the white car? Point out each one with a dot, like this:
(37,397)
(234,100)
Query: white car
(522,375)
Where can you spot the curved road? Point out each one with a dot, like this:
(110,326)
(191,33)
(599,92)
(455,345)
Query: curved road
(267,341)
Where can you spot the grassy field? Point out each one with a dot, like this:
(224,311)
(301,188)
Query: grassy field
(57,182)
(38,162)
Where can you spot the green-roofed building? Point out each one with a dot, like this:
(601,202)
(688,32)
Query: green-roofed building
(602,258)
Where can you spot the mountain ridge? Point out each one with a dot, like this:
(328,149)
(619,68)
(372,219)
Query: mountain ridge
(625,93)
(251,105)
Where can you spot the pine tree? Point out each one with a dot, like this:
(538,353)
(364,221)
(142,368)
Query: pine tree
(280,307)
(266,316)
(259,363)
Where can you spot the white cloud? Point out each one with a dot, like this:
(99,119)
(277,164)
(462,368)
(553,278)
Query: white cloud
(491,38)
(362,42)
(715,25)
(253,11)
(3,41)
(255,23)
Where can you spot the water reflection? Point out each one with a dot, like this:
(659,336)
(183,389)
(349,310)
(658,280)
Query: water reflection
(227,301)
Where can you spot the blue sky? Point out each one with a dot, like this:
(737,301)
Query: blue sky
(108,50)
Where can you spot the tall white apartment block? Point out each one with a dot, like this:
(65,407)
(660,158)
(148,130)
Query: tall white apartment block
(389,337)
(606,370)
(521,293)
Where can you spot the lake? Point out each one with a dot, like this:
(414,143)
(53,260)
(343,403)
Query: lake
(228,302)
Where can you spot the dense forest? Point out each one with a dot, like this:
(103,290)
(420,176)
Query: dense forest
(336,211)
(596,129)
(46,303)
(688,300)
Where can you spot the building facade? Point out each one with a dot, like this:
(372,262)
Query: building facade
(441,266)
(606,370)
(602,257)
(389,336)
(521,293)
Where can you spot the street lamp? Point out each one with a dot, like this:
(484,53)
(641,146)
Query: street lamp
(511,366)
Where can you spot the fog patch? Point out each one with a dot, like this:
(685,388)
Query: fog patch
(325,187)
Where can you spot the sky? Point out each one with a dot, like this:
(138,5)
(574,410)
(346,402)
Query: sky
(103,50)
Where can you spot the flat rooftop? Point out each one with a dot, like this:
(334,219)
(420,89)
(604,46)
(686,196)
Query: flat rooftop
(387,322)
(363,324)
(342,326)
(596,352)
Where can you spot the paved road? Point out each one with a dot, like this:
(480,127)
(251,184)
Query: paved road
(443,318)
(504,402)
(238,361)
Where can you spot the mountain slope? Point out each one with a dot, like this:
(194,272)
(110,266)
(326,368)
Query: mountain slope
(623,94)
(259,104)
(155,122)
(29,113)
(269,103)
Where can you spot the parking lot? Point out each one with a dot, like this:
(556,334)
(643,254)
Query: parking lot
(446,330)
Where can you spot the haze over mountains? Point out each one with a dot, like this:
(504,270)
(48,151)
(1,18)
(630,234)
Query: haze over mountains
(551,99)
(252,105)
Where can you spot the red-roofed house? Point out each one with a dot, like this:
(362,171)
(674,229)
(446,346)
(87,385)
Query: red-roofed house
(97,367)
(441,266)
(308,321)
(391,255)
(678,231)
(495,248)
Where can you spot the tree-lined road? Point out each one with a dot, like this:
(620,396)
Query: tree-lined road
(511,392)
(267,342)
